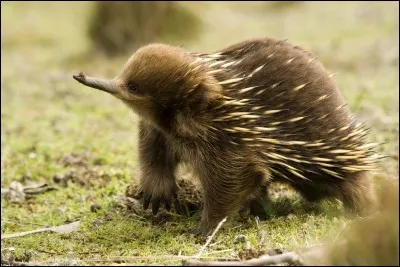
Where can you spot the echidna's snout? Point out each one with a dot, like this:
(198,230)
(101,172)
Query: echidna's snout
(109,86)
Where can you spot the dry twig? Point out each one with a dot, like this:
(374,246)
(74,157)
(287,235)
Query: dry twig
(20,263)
(289,258)
(211,237)
(67,228)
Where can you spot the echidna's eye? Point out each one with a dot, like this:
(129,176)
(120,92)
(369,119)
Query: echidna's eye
(132,88)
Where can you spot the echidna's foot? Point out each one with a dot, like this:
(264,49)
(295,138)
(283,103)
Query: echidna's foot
(198,232)
(158,197)
(156,203)
(258,208)
(255,207)
(245,207)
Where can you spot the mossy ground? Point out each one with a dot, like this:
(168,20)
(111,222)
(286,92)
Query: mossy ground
(46,116)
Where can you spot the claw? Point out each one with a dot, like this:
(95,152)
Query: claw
(146,201)
(245,207)
(139,192)
(155,205)
(168,205)
(198,232)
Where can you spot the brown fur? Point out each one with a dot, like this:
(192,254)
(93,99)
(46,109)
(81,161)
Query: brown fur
(187,117)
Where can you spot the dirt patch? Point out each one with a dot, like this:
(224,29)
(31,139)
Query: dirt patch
(74,159)
(84,171)
(84,177)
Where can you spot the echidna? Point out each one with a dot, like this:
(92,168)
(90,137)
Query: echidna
(258,111)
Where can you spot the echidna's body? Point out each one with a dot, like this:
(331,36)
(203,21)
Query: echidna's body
(258,111)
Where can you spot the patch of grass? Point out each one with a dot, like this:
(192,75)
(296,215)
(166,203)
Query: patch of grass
(46,116)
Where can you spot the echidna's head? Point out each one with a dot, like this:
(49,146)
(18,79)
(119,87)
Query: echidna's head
(158,80)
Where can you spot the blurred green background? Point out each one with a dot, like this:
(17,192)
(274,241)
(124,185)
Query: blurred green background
(53,125)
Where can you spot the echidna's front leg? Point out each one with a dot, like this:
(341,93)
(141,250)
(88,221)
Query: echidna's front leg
(158,164)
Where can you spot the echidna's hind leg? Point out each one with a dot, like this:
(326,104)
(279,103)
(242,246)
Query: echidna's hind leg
(312,192)
(225,190)
(256,205)
(358,193)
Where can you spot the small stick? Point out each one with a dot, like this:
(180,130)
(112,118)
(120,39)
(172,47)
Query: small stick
(211,237)
(50,252)
(164,257)
(289,257)
(215,243)
(218,251)
(25,233)
(20,263)
(66,228)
